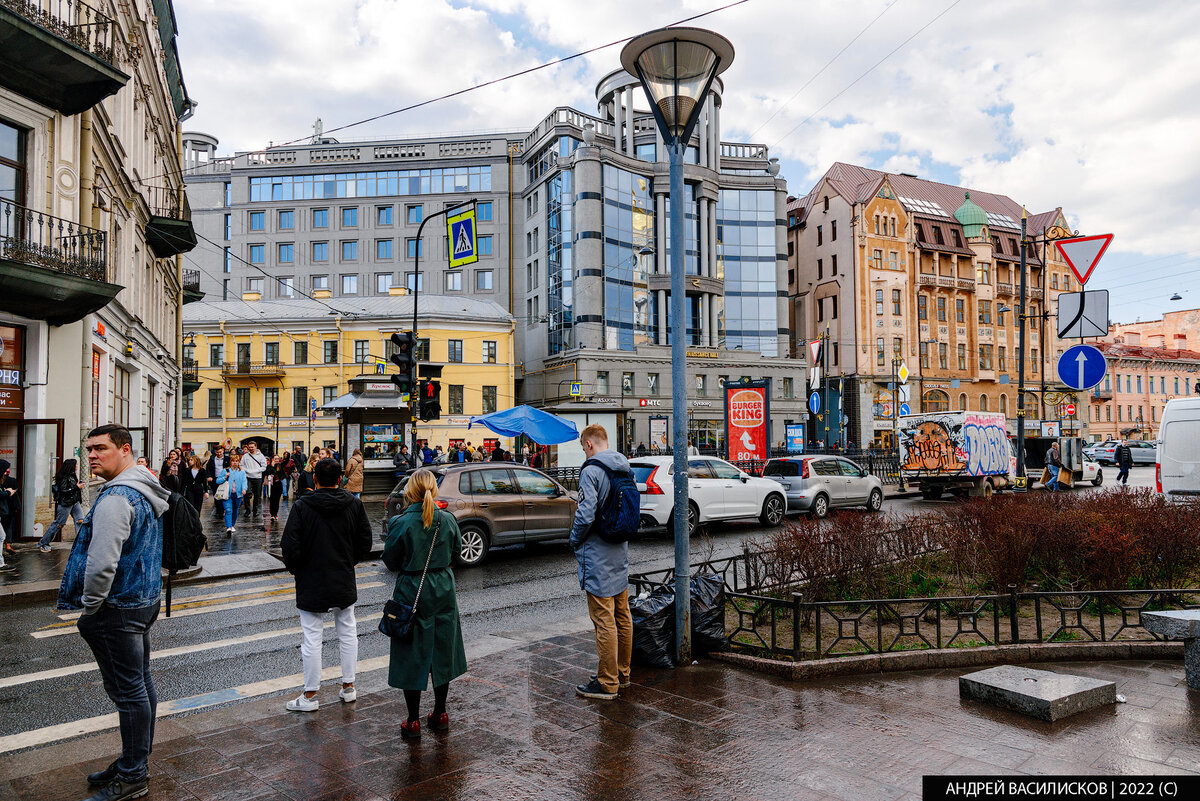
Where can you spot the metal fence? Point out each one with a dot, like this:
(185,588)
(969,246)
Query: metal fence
(43,240)
(73,20)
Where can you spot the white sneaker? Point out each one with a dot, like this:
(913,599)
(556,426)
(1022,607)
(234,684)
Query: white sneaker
(348,695)
(303,704)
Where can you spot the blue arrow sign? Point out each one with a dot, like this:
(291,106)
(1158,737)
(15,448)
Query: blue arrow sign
(1081,367)
(814,403)
(904,409)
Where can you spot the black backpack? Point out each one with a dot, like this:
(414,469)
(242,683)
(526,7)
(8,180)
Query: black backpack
(183,538)
(618,519)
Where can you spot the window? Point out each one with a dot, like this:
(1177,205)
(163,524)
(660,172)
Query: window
(602,382)
(532,482)
(962,356)
(423,349)
(962,401)
(943,349)
(271,352)
(820,235)
(941,310)
(877,258)
(489,351)
(983,273)
(228,194)
(383,215)
(214,403)
(1004,405)
(383,249)
(896,301)
(1139,385)
(833,233)
(1034,361)
(330,351)
(216,355)
(701,386)
(1054,280)
(454,350)
(1002,359)
(241,402)
(820,269)
(893,260)
(287,220)
(959,310)
(483,280)
(483,211)
(320,282)
(349,284)
(1033,317)
(320,218)
(879,302)
(350,250)
(257,254)
(922,307)
(985,360)
(328,395)
(383,283)
(287,252)
(880,351)
(227,228)
(835,302)
(362,351)
(413,214)
(300,402)
(455,399)
(258,221)
(789,387)
(188,406)
(227,259)
(935,400)
(485,245)
(320,251)
(299,353)
(413,248)
(627,383)
(651,383)
(489,399)
(414,282)
(454,281)
(350,217)
(985,312)
(893,226)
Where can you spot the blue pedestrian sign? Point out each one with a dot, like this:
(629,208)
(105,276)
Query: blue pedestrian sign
(464,240)
(1082,367)
(814,403)
(576,389)
(905,409)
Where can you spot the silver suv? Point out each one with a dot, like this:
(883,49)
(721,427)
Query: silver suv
(815,484)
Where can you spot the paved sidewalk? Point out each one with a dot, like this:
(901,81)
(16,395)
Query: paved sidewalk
(708,731)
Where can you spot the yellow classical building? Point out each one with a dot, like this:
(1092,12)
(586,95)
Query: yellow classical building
(263,370)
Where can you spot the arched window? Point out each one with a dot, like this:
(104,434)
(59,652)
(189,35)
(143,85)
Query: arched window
(1004,404)
(983,403)
(962,402)
(935,400)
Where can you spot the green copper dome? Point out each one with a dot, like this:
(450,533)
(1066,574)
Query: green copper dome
(971,217)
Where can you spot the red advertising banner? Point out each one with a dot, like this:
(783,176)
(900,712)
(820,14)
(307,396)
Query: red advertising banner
(746,418)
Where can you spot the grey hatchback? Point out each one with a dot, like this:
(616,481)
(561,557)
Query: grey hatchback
(818,483)
(495,503)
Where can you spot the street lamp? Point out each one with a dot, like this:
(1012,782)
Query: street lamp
(676,67)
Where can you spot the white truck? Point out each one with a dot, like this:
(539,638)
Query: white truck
(961,452)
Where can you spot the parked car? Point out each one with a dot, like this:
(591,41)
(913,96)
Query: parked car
(1103,452)
(1177,472)
(495,503)
(815,484)
(1143,452)
(717,490)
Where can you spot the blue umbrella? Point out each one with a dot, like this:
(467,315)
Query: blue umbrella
(541,427)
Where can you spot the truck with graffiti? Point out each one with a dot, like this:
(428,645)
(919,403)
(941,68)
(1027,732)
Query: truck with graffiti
(960,452)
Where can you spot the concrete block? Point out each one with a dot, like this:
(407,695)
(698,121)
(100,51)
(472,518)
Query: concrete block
(1182,624)
(1037,693)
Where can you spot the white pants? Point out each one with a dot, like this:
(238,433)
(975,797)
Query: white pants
(313,627)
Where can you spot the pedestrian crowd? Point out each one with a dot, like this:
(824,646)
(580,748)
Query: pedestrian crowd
(113,574)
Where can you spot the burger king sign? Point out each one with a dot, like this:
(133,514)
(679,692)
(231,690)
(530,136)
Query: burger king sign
(746,418)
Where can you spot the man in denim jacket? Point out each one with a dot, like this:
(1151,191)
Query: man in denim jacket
(114,574)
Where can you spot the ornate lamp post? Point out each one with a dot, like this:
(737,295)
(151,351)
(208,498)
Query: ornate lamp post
(676,67)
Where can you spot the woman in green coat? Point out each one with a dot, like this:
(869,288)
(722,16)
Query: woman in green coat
(435,649)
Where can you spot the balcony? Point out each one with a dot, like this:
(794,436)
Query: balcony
(1036,294)
(191,286)
(170,230)
(242,369)
(58,53)
(51,269)
(190,376)
(1004,290)
(1099,395)
(926,279)
(967,284)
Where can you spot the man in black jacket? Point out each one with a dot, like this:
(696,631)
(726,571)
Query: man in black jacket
(219,459)
(326,535)
(1124,459)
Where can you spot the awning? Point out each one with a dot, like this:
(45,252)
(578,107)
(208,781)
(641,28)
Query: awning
(364,400)
(541,427)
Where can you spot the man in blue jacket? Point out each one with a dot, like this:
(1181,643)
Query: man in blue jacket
(114,574)
(603,571)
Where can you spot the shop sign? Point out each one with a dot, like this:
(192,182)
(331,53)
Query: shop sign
(703,354)
(12,347)
(458,421)
(936,384)
(378,386)
(649,402)
(702,404)
(253,423)
(297,423)
(12,398)
(11,377)
(612,401)
(746,416)
(100,330)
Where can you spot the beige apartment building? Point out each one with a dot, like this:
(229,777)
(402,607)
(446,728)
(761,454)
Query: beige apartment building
(900,270)
(1140,381)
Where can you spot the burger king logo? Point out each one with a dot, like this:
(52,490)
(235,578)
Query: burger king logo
(747,409)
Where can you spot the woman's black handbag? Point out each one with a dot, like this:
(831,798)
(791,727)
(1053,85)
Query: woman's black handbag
(397,620)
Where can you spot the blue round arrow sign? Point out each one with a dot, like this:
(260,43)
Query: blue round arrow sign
(905,410)
(814,403)
(1082,367)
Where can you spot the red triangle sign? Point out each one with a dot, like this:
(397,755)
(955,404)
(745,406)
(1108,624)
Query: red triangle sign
(1082,253)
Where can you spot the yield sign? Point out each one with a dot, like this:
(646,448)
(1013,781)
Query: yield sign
(1083,253)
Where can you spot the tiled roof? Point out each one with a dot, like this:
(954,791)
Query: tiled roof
(930,226)
(1122,351)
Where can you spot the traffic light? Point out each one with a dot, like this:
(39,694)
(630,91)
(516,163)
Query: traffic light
(430,405)
(404,356)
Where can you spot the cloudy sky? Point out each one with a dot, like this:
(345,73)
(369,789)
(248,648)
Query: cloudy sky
(1093,106)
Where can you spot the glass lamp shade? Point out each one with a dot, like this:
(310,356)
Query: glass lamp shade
(675,66)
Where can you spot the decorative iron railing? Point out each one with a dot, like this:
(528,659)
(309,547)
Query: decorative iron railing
(251,368)
(191,280)
(190,370)
(42,240)
(72,20)
(165,201)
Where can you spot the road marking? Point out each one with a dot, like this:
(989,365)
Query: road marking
(71,670)
(69,627)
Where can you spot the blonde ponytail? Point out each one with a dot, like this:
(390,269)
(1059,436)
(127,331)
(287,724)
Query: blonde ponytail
(428,507)
(422,489)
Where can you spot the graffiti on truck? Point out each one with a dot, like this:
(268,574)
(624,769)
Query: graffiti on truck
(986,446)
(930,446)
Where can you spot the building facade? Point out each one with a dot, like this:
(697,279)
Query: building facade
(92,223)
(266,370)
(1139,382)
(902,272)
(1178,329)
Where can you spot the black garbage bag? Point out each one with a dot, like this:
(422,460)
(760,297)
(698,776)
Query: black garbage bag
(654,629)
(708,615)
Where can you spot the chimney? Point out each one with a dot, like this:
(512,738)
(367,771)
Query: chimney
(1133,338)
(1181,341)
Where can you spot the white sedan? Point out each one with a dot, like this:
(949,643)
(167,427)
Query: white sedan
(717,490)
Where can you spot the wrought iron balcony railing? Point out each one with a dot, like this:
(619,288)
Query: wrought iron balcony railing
(167,202)
(42,240)
(190,370)
(72,20)
(241,368)
(191,280)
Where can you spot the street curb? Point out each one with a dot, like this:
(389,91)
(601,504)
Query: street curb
(953,658)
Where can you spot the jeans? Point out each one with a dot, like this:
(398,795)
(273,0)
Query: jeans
(1052,484)
(313,628)
(614,638)
(60,520)
(231,509)
(283,482)
(1123,473)
(120,640)
(253,493)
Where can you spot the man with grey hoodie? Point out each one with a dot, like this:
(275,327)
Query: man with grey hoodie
(114,574)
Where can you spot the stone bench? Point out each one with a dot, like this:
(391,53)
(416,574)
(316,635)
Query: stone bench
(1183,624)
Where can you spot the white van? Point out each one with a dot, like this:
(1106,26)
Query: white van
(1177,474)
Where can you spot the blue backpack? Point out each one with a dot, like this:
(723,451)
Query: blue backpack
(618,519)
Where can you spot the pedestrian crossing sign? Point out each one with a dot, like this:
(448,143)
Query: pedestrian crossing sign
(464,239)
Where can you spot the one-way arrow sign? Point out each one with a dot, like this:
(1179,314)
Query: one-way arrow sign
(1083,253)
